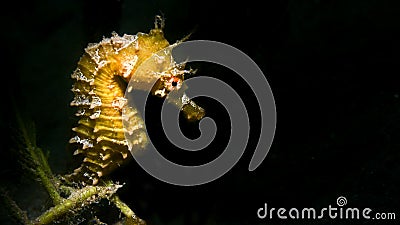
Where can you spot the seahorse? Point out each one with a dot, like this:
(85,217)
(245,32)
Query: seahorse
(101,79)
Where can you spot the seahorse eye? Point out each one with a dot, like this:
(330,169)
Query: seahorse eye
(174,83)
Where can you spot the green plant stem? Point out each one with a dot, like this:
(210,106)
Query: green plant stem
(15,211)
(43,171)
(42,168)
(78,200)
(128,212)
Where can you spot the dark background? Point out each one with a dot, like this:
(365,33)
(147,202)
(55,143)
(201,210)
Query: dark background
(333,67)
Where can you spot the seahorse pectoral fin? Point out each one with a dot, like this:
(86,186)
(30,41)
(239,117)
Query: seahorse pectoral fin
(142,80)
